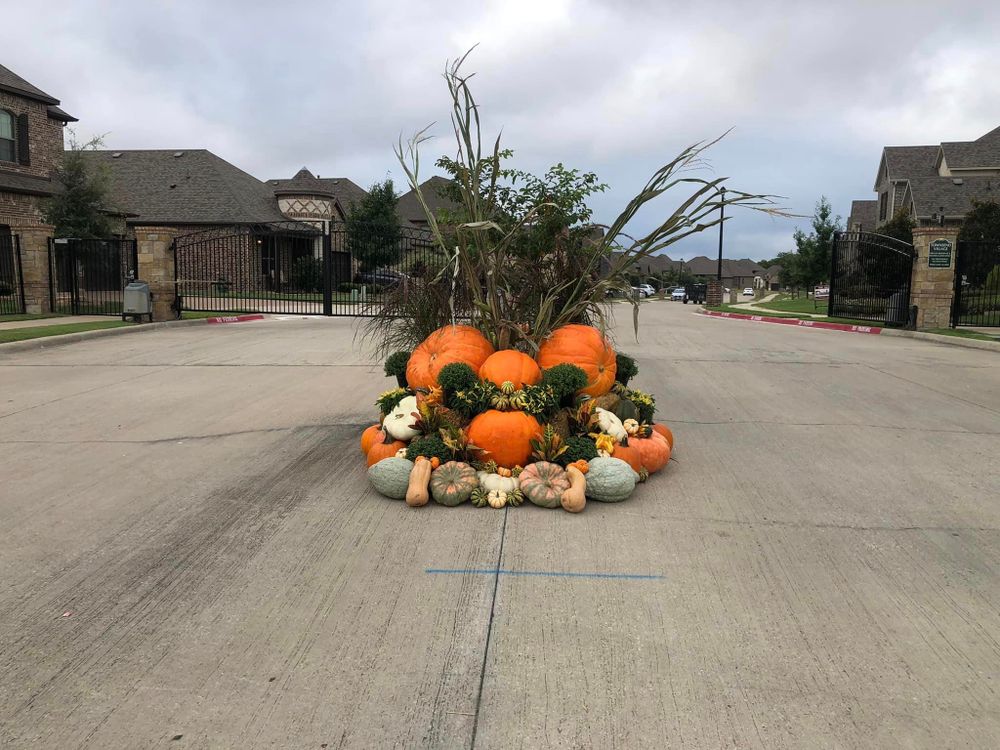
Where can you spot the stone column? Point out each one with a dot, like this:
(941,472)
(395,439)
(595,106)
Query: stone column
(932,286)
(35,265)
(156,268)
(713,293)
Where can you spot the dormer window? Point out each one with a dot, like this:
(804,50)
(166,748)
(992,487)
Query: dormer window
(8,136)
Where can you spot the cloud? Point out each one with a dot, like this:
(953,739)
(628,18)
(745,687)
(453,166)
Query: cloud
(813,90)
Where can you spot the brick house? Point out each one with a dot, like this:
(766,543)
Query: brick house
(31,147)
(933,184)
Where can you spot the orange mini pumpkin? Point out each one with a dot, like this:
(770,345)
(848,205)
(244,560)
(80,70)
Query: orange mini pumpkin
(512,365)
(662,429)
(585,347)
(630,454)
(654,451)
(444,346)
(381,450)
(504,436)
(371,436)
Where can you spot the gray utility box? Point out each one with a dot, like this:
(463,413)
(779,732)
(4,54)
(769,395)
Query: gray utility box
(137,301)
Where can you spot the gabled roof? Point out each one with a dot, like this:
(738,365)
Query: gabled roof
(984,152)
(703,266)
(14,84)
(304,183)
(185,187)
(409,209)
(864,213)
(904,162)
(954,195)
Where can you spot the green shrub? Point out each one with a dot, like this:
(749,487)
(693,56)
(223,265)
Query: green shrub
(578,447)
(428,446)
(457,376)
(395,364)
(625,368)
(306,274)
(564,380)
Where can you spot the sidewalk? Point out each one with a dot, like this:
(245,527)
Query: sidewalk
(57,320)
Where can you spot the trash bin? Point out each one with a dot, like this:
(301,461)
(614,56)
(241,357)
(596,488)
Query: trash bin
(137,301)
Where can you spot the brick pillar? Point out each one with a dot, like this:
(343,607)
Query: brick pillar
(156,268)
(713,294)
(932,286)
(35,265)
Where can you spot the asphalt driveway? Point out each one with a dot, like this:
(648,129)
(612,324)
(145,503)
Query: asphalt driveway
(192,556)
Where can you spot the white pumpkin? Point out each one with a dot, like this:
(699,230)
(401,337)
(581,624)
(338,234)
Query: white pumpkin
(497,483)
(399,422)
(610,423)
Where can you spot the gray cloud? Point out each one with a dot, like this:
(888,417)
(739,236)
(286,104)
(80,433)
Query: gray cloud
(813,90)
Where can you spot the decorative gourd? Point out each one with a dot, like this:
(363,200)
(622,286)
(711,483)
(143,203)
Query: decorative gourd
(391,477)
(383,450)
(585,347)
(610,480)
(574,499)
(504,436)
(446,345)
(631,426)
(655,451)
(625,409)
(420,476)
(510,365)
(630,454)
(543,483)
(496,482)
(453,482)
(610,424)
(496,499)
(399,422)
(666,432)
(370,436)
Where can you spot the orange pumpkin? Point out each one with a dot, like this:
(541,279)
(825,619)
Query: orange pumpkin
(585,347)
(662,429)
(512,365)
(444,346)
(381,450)
(630,454)
(504,436)
(654,451)
(370,436)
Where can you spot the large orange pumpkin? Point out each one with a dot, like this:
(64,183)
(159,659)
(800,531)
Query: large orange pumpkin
(512,365)
(585,347)
(654,451)
(504,436)
(371,436)
(381,450)
(444,346)
(662,429)
(630,454)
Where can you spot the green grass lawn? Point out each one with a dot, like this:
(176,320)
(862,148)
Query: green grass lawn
(23,334)
(27,316)
(795,305)
(796,316)
(964,334)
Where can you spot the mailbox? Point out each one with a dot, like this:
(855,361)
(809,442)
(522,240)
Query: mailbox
(137,301)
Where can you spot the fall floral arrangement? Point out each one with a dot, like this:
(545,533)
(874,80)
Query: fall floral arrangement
(500,428)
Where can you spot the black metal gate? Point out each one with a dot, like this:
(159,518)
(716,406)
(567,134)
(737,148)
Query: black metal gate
(299,268)
(870,278)
(11,278)
(977,284)
(87,277)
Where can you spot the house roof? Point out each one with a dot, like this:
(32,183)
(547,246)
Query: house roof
(343,190)
(984,152)
(14,182)
(57,114)
(864,213)
(703,266)
(655,263)
(954,195)
(14,84)
(408,207)
(903,162)
(185,187)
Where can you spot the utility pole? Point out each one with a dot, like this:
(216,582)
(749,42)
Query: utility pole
(722,221)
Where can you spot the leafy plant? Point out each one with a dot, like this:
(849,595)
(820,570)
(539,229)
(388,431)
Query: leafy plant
(644,402)
(625,368)
(373,235)
(578,447)
(428,446)
(388,400)
(564,380)
(457,376)
(549,447)
(474,400)
(306,274)
(395,364)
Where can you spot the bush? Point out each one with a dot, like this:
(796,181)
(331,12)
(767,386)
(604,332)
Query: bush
(457,376)
(577,448)
(428,446)
(222,285)
(395,364)
(564,380)
(307,274)
(625,368)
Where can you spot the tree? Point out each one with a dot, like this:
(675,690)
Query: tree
(80,210)
(899,227)
(373,234)
(981,223)
(814,250)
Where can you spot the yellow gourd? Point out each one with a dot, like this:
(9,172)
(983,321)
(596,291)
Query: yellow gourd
(574,499)
(420,476)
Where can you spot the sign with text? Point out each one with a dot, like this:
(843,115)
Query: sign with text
(940,254)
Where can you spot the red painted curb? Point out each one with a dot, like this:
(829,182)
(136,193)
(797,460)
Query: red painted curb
(797,322)
(234,318)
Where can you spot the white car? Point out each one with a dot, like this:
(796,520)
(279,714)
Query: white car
(646,289)
(639,293)
(678,293)
(748,292)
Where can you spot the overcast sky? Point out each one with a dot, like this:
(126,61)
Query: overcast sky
(812,90)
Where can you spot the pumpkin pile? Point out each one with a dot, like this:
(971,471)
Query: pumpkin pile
(498,428)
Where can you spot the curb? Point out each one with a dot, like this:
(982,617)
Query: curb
(989,346)
(798,322)
(45,342)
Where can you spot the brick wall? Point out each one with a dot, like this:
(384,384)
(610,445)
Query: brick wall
(45,136)
(18,210)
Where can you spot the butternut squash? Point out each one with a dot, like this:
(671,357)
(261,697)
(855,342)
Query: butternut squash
(574,499)
(417,493)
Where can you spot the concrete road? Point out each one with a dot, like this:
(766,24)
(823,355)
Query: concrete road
(192,556)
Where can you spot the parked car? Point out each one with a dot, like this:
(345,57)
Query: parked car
(639,293)
(646,289)
(382,276)
(748,292)
(678,294)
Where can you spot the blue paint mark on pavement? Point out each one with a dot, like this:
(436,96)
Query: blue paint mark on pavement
(542,573)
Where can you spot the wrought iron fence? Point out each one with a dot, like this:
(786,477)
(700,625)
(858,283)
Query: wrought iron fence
(299,268)
(870,278)
(87,277)
(977,284)
(11,277)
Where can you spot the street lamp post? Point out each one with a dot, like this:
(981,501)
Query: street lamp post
(722,221)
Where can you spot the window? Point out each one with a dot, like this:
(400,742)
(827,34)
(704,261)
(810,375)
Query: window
(7,136)
(883,201)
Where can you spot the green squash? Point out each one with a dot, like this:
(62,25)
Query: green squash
(391,477)
(543,483)
(452,483)
(625,409)
(610,480)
